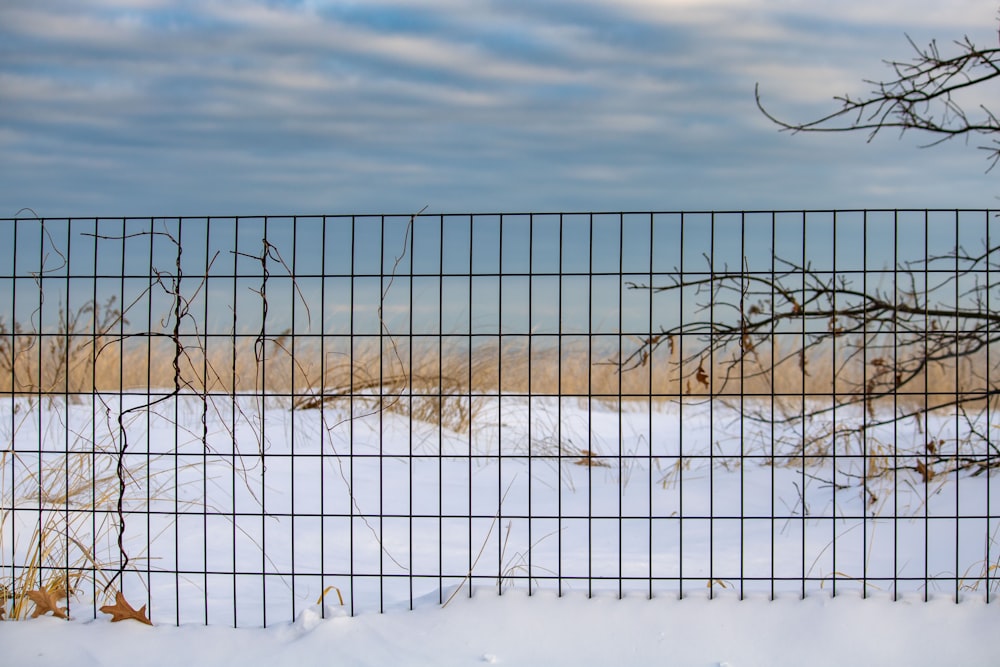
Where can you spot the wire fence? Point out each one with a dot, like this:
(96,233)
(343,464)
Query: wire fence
(235,419)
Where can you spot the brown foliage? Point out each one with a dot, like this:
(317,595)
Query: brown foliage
(46,601)
(121,610)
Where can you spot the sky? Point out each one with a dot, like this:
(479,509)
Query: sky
(273,107)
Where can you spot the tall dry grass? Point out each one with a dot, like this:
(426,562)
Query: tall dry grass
(85,357)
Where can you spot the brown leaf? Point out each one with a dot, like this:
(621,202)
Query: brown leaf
(925,471)
(122,610)
(701,376)
(3,610)
(588,459)
(46,601)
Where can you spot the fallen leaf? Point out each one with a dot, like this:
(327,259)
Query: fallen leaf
(46,601)
(587,459)
(700,375)
(122,610)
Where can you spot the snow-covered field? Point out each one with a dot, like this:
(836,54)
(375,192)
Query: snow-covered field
(537,518)
(546,631)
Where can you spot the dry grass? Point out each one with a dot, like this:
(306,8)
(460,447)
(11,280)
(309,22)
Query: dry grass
(71,497)
(86,358)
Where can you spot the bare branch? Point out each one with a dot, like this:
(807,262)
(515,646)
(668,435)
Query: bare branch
(922,94)
(887,343)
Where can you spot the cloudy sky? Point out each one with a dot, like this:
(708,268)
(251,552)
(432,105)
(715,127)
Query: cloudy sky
(160,107)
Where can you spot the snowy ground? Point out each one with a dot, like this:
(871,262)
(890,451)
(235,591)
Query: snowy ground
(681,502)
(547,631)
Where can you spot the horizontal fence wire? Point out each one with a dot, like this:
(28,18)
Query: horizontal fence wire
(233,420)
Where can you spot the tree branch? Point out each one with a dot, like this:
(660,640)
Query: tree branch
(921,96)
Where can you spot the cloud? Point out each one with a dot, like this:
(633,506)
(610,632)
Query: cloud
(127,105)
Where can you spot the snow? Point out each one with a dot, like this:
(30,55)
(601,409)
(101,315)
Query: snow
(545,630)
(896,563)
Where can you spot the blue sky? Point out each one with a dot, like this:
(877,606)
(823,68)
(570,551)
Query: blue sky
(152,107)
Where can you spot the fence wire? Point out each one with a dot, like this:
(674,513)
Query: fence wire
(235,419)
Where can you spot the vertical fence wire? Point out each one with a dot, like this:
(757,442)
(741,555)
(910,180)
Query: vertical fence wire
(987,455)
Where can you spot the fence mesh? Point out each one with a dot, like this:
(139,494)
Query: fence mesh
(234,419)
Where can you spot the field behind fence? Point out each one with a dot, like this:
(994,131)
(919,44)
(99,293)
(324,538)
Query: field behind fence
(232,419)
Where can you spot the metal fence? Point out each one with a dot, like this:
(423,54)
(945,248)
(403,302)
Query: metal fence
(234,419)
